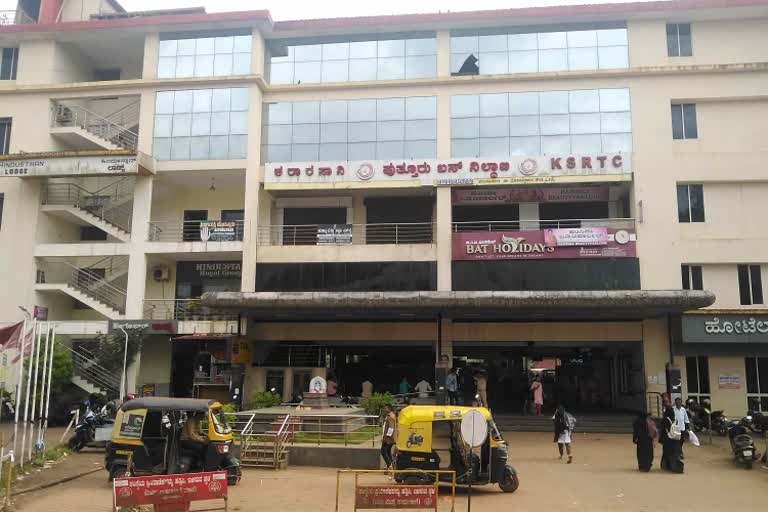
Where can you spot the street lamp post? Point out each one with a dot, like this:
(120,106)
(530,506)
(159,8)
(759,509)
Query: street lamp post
(123,378)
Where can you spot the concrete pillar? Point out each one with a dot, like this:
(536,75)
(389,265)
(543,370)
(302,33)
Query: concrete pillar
(359,218)
(131,375)
(443,53)
(443,221)
(287,384)
(137,263)
(253,176)
(446,339)
(151,58)
(146,121)
(258,54)
(655,354)
(529,216)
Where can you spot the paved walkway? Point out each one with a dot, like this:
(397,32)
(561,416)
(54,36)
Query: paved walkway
(603,478)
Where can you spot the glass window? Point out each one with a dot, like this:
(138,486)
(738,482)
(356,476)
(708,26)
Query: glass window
(390,130)
(522,42)
(362,70)
(553,60)
(684,125)
(497,43)
(280,72)
(360,132)
(420,148)
(279,113)
(586,123)
(333,111)
(582,58)
(613,57)
(523,61)
(465,128)
(306,112)
(524,146)
(612,37)
(493,105)
(241,44)
(462,148)
(184,123)
(202,57)
(333,151)
(305,152)
(307,72)
(394,48)
(393,149)
(306,133)
(390,109)
(424,66)
(421,107)
(554,102)
(465,106)
(335,71)
(168,48)
(427,46)
(185,67)
(392,68)
(422,129)
(555,124)
(552,40)
(335,51)
(586,143)
(279,134)
(362,50)
(494,127)
(241,64)
(494,146)
(582,38)
(361,150)
(615,122)
(555,144)
(362,110)
(465,45)
(185,47)
(207,45)
(586,100)
(307,52)
(617,142)
(750,284)
(614,100)
(524,103)
(524,125)
(333,132)
(494,63)
(679,40)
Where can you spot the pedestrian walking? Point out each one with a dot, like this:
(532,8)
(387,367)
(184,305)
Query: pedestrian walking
(452,386)
(670,442)
(538,394)
(643,433)
(388,435)
(564,424)
(683,422)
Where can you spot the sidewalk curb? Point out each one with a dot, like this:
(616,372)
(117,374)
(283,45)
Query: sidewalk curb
(57,482)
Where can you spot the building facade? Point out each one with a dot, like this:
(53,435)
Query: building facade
(554,189)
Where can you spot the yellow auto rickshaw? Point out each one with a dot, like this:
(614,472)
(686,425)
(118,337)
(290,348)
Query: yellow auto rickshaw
(165,436)
(429,438)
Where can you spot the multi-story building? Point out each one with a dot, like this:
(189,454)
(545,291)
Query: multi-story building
(557,189)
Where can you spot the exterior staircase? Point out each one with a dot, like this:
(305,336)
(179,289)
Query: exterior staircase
(90,376)
(109,209)
(592,423)
(267,449)
(84,129)
(84,284)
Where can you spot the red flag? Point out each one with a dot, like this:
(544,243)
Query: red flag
(10,335)
(15,342)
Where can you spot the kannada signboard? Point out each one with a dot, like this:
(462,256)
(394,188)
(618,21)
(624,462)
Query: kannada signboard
(70,166)
(529,195)
(725,328)
(145,326)
(516,245)
(168,489)
(218,231)
(566,237)
(418,173)
(395,497)
(334,234)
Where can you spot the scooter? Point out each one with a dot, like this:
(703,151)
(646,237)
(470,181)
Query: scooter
(742,445)
(85,430)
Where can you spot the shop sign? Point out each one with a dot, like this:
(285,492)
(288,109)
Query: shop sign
(529,195)
(218,270)
(334,234)
(395,497)
(69,166)
(725,381)
(566,237)
(218,231)
(416,173)
(524,245)
(170,489)
(728,328)
(144,326)
(148,390)
(40,313)
(241,351)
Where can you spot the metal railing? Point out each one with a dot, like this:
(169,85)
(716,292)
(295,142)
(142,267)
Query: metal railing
(84,280)
(18,17)
(73,115)
(183,309)
(535,225)
(100,204)
(85,367)
(653,404)
(356,234)
(126,116)
(317,429)
(192,231)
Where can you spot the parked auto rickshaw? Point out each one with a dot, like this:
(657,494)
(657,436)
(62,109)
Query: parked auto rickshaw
(429,438)
(155,433)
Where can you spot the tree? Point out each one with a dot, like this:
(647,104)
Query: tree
(111,348)
(61,374)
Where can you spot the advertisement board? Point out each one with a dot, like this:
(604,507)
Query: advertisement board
(529,195)
(167,489)
(725,328)
(515,245)
(391,497)
(454,172)
(70,166)
(218,231)
(334,234)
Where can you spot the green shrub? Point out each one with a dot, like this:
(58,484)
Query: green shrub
(374,405)
(228,410)
(264,399)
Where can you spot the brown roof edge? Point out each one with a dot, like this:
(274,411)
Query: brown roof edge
(522,12)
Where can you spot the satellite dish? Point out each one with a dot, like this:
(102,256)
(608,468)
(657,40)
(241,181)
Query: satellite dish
(474,429)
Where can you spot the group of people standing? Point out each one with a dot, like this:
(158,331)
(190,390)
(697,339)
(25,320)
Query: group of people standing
(469,387)
(675,430)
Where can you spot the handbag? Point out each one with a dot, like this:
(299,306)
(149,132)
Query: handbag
(652,431)
(674,431)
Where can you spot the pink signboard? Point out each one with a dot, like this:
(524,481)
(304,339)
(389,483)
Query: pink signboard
(526,245)
(529,195)
(565,237)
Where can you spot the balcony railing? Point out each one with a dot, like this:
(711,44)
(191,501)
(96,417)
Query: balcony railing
(183,309)
(535,225)
(196,231)
(347,234)
(15,18)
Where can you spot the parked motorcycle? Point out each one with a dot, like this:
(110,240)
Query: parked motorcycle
(742,444)
(703,418)
(85,430)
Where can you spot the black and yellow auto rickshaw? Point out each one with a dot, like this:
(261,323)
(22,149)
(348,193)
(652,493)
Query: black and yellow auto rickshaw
(164,436)
(429,438)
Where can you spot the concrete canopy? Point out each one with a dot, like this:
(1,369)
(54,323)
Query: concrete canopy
(516,305)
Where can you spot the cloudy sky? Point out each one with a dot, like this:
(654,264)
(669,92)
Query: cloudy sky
(300,9)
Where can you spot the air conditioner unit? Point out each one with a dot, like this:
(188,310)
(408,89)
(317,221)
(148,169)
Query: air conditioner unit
(161,273)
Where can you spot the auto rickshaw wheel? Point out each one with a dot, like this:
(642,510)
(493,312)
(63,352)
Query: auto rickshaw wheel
(509,481)
(233,475)
(117,471)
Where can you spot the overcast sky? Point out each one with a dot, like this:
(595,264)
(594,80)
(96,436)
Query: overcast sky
(302,9)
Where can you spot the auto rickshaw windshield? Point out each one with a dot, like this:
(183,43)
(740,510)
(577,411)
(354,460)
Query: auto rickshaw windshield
(220,421)
(495,434)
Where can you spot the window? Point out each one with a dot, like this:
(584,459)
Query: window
(215,55)
(690,203)
(692,279)
(383,128)
(5,136)
(679,40)
(531,52)
(106,74)
(353,61)
(201,124)
(750,284)
(541,123)
(697,377)
(684,121)
(8,64)
(757,383)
